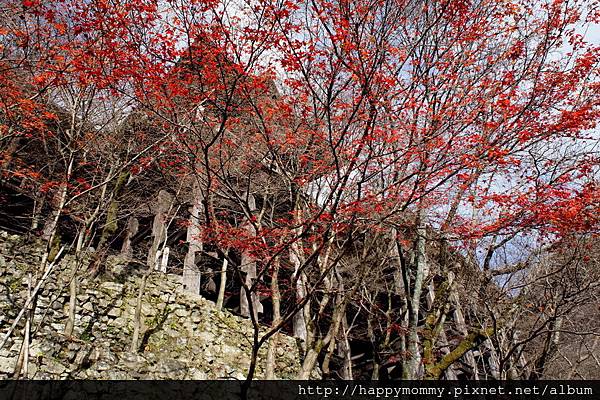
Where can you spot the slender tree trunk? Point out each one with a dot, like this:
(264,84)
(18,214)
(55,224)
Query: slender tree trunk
(374,348)
(70,324)
(313,352)
(38,206)
(22,366)
(73,283)
(412,362)
(550,347)
(461,326)
(299,321)
(339,312)
(61,197)
(137,318)
(248,267)
(345,351)
(296,254)
(310,360)
(274,340)
(223,282)
(191,272)
(327,359)
(334,340)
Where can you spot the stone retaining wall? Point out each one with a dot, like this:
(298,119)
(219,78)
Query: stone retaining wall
(184,336)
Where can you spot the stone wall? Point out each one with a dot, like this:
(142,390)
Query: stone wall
(184,336)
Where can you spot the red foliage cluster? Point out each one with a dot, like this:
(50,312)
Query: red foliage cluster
(372,125)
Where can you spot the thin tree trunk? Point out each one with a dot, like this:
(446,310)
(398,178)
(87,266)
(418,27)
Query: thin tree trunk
(274,340)
(345,351)
(164,259)
(61,197)
(137,318)
(37,211)
(550,347)
(461,326)
(327,359)
(332,344)
(412,362)
(374,348)
(70,324)
(248,267)
(296,255)
(299,322)
(22,366)
(339,312)
(191,273)
(313,352)
(223,282)
(73,283)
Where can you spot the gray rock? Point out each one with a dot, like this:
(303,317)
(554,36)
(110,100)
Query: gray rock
(173,334)
(119,323)
(53,367)
(41,348)
(147,310)
(32,370)
(206,337)
(57,305)
(117,375)
(114,312)
(102,366)
(197,374)
(196,317)
(131,361)
(16,347)
(73,346)
(83,298)
(169,366)
(7,365)
(98,331)
(81,358)
(182,312)
(109,355)
(112,286)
